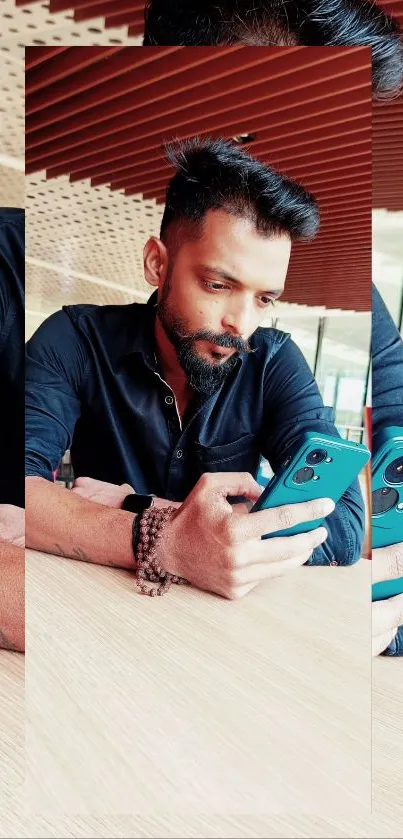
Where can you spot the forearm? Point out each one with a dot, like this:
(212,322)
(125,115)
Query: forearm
(12,597)
(61,522)
(345,527)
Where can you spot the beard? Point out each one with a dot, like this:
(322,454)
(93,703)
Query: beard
(204,377)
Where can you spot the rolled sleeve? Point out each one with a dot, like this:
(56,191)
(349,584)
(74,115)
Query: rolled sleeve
(56,362)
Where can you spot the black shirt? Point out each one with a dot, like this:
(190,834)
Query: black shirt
(93,385)
(12,356)
(387,367)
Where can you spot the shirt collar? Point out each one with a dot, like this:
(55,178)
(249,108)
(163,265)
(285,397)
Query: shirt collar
(143,337)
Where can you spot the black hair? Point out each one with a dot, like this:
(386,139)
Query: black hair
(264,22)
(215,174)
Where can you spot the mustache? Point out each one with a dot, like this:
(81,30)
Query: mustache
(223,340)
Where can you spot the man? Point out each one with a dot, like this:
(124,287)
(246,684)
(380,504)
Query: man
(387,400)
(12,429)
(156,396)
(274,22)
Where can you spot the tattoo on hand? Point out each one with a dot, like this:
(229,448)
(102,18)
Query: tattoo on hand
(5,644)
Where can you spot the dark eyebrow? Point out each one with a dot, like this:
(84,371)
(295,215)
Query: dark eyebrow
(275,292)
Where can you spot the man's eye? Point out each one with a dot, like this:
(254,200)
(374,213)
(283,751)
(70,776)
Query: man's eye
(267,301)
(213,286)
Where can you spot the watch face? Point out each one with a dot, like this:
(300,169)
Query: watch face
(137,503)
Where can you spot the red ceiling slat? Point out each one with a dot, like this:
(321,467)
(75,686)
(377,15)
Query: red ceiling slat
(104,8)
(151,134)
(310,110)
(124,19)
(96,168)
(61,83)
(291,124)
(145,183)
(54,73)
(42,55)
(129,97)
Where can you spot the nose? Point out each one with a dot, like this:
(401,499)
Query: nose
(237,319)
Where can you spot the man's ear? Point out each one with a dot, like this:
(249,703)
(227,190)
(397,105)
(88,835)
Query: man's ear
(155,261)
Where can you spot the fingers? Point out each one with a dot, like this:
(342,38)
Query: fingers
(281,518)
(387,614)
(85,482)
(222,484)
(387,563)
(381,642)
(252,574)
(281,548)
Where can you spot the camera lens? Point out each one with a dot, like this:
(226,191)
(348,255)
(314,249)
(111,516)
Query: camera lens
(384,499)
(303,475)
(316,456)
(394,472)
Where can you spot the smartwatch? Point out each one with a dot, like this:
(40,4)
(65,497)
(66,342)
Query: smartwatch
(137,503)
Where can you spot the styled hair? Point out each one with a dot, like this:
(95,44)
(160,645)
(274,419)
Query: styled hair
(215,174)
(282,22)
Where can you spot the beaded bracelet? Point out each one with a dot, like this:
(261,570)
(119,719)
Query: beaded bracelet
(147,530)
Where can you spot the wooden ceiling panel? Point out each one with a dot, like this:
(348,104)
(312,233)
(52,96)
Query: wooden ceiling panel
(105,116)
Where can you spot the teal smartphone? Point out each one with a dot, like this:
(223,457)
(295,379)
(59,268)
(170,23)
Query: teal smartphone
(387,500)
(318,466)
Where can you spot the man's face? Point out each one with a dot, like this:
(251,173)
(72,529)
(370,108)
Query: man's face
(216,293)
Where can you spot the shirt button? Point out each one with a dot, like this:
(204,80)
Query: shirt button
(179,453)
(169,400)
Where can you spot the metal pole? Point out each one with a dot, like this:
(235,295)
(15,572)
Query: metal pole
(318,353)
(400,319)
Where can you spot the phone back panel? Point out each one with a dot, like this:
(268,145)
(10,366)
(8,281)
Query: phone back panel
(387,588)
(387,523)
(331,476)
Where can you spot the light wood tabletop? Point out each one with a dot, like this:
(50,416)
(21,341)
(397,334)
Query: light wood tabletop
(189,702)
(11,739)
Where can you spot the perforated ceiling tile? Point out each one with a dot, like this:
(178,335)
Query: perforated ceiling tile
(34,24)
(12,83)
(90,230)
(11,187)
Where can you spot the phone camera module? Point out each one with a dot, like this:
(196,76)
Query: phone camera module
(394,472)
(303,475)
(316,456)
(384,499)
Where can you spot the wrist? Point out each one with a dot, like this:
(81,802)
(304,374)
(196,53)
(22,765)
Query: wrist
(153,562)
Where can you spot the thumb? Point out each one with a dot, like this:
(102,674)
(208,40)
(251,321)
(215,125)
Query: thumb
(234,483)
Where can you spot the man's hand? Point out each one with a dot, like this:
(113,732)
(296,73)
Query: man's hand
(387,615)
(220,550)
(12,525)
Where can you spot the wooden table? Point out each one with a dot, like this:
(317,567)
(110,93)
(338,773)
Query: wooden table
(11,739)
(195,704)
